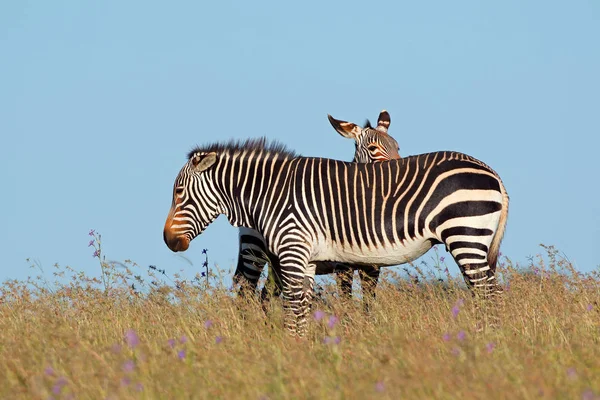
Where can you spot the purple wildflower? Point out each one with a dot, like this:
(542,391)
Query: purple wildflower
(461,335)
(132,338)
(456,351)
(446,337)
(128,366)
(499,254)
(208,323)
(60,383)
(332,340)
(49,371)
(332,321)
(571,373)
(455,311)
(446,270)
(181,354)
(319,315)
(589,307)
(171,343)
(92,232)
(218,339)
(588,395)
(91,243)
(126,381)
(380,387)
(183,339)
(490,347)
(96,254)
(442,259)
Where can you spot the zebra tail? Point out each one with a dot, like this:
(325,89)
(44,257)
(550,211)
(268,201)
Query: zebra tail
(495,245)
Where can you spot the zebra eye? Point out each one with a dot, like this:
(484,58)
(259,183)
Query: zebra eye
(372,147)
(179,191)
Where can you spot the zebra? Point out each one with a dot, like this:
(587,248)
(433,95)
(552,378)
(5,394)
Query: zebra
(371,145)
(317,209)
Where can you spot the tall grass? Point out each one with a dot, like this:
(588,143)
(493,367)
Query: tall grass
(133,335)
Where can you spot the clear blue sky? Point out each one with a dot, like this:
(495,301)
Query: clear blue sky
(100,101)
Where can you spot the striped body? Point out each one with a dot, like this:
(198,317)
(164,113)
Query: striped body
(372,145)
(315,209)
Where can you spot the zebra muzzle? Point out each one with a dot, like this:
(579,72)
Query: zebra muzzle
(174,241)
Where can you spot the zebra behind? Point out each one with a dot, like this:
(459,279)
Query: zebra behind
(372,145)
(317,209)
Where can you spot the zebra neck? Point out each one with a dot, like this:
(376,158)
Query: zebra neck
(248,185)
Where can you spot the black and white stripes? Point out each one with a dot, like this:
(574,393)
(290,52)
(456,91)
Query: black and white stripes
(371,145)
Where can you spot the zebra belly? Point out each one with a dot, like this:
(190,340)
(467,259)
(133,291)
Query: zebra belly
(391,254)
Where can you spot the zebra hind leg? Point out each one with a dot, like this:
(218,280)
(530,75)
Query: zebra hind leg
(369,276)
(344,275)
(248,271)
(273,285)
(482,280)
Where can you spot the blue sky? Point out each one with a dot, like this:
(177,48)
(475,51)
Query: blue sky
(100,102)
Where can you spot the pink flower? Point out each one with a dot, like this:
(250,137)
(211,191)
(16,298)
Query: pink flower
(319,315)
(132,338)
(332,321)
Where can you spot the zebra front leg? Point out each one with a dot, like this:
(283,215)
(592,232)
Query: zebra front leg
(369,276)
(308,286)
(293,272)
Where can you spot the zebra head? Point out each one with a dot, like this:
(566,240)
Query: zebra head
(195,204)
(372,144)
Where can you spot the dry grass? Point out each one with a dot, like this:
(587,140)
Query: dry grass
(85,339)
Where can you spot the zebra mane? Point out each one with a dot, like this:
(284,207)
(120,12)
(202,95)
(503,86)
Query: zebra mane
(257,145)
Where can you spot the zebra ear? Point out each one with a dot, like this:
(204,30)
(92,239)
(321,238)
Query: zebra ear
(383,122)
(203,161)
(346,129)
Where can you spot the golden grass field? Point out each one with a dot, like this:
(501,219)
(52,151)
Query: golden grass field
(83,338)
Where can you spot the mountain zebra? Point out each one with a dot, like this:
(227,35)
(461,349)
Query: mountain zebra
(372,145)
(317,209)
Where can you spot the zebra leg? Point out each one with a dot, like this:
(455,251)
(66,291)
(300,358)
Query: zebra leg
(369,276)
(293,272)
(252,258)
(344,275)
(481,278)
(273,285)
(308,286)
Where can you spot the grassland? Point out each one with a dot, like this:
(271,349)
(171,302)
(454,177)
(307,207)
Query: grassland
(86,338)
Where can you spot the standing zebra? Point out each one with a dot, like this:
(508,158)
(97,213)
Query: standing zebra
(317,209)
(372,145)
